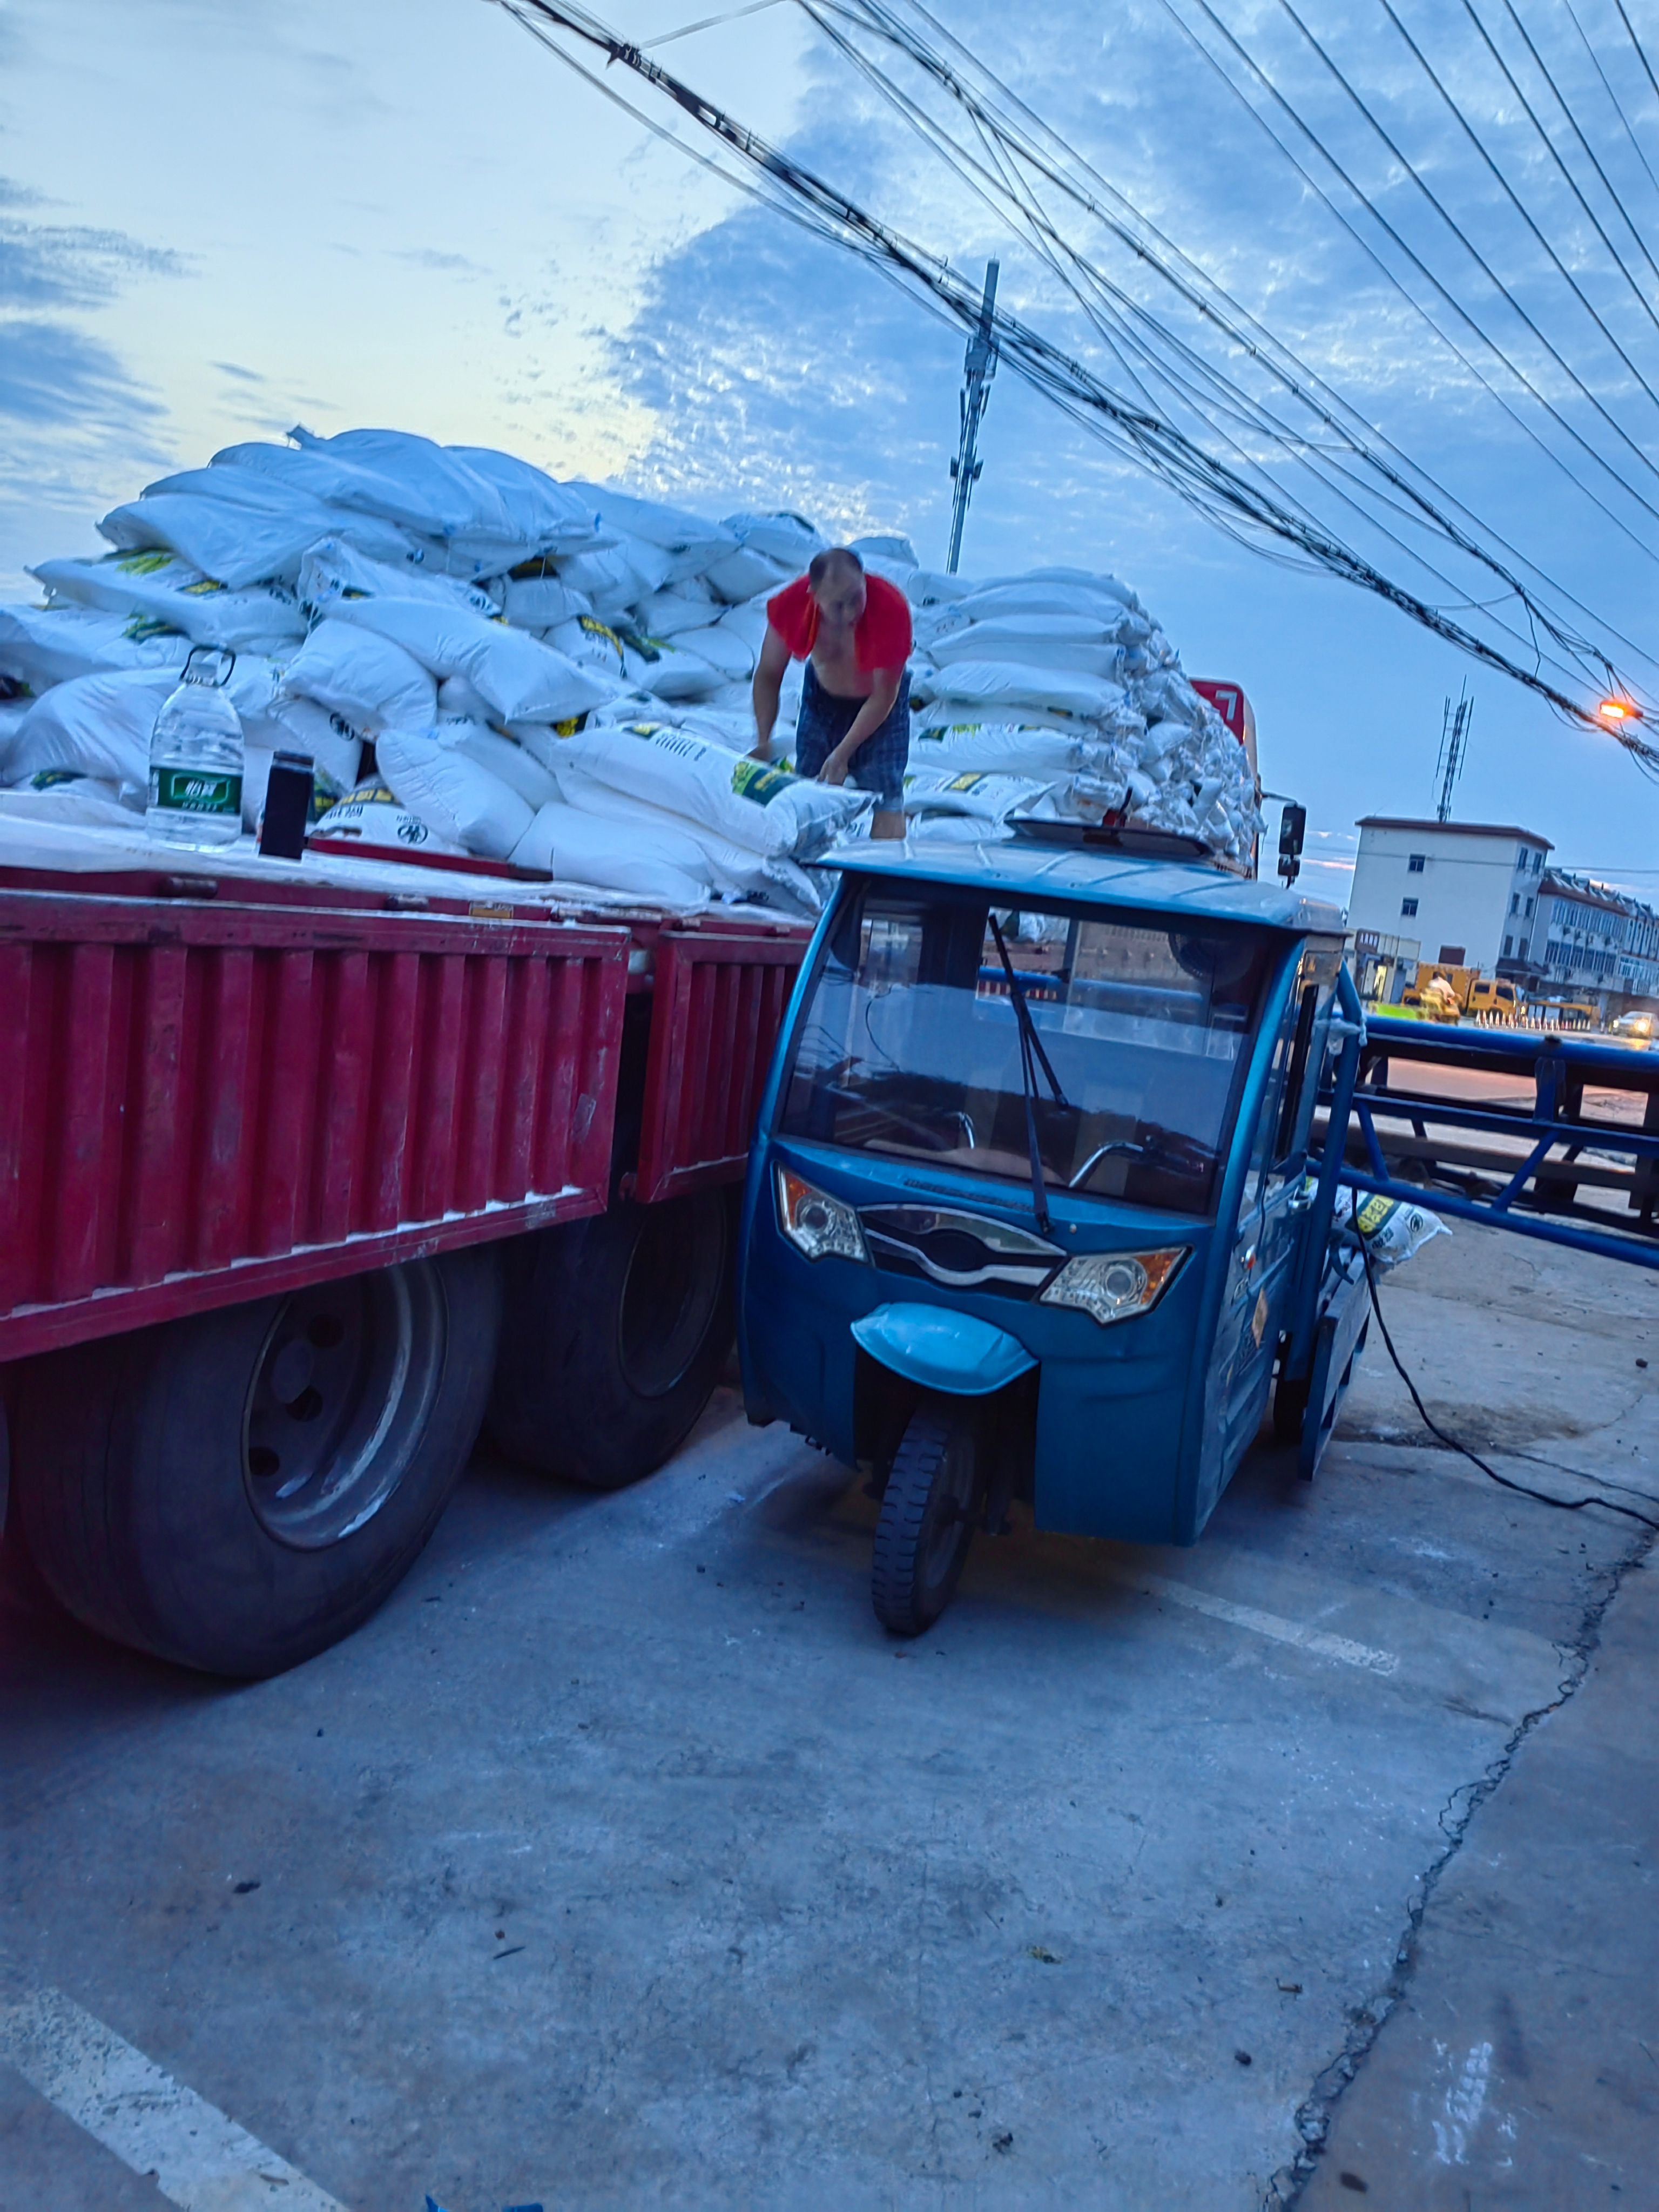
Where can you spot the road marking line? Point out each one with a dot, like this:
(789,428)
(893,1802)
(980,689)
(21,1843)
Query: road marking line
(198,2158)
(1261,1624)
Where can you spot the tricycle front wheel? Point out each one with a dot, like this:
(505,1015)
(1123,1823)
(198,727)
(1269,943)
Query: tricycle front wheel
(927,1512)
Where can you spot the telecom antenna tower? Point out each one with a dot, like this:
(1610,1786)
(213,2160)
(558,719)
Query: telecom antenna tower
(980,367)
(1453,743)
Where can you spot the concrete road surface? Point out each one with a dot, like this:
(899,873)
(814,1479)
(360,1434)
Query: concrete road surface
(623,1860)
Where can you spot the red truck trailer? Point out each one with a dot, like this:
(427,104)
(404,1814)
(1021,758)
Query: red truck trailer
(302,1183)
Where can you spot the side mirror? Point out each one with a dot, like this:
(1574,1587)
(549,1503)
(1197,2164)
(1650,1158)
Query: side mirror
(1292,835)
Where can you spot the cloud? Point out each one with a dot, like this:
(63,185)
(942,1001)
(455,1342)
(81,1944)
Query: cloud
(243,375)
(427,257)
(51,373)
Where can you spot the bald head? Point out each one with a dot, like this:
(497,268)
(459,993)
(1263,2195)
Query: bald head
(836,578)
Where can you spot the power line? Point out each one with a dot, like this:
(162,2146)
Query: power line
(1209,485)
(1463,239)
(1196,288)
(1562,422)
(1511,195)
(1549,147)
(1573,124)
(1641,57)
(1618,105)
(1083,278)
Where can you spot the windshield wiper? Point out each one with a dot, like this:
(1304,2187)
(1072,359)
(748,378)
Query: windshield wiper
(1031,1056)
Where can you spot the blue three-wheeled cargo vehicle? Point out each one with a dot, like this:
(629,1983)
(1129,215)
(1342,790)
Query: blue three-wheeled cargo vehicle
(1029,1212)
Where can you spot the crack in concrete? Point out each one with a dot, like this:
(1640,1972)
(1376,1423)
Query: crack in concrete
(1314,2114)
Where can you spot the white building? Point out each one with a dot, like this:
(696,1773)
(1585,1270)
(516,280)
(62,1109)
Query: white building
(1460,888)
(1588,942)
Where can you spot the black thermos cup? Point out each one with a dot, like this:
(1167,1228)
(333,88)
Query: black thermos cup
(287,807)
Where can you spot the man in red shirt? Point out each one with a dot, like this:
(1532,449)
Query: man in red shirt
(853,633)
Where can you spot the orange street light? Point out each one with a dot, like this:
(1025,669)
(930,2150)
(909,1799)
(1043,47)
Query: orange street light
(1618,710)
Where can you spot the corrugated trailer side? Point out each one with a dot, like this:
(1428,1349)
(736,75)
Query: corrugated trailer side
(203,1102)
(268,1156)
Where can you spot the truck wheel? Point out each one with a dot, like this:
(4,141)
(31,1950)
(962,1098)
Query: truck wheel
(238,1490)
(926,1524)
(614,1334)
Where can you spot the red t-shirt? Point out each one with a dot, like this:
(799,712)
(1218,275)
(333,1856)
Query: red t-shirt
(882,638)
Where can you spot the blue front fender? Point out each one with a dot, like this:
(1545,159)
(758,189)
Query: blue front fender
(942,1351)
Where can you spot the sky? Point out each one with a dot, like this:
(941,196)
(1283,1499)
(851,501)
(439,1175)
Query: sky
(216,222)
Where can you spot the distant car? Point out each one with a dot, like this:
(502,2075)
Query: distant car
(1635,1029)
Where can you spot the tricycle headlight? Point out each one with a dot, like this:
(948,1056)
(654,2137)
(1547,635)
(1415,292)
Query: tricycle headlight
(1114,1285)
(815,1224)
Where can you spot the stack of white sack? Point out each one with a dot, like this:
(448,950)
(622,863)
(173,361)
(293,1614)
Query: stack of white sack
(1062,674)
(744,826)
(464,614)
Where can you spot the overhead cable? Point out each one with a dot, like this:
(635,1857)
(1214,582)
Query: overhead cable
(1011,134)
(1209,484)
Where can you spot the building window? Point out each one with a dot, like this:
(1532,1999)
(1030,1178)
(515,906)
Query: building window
(1415,864)
(1509,946)
(1515,902)
(1407,909)
(1529,909)
(1452,955)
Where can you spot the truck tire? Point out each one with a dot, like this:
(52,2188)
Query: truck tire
(927,1513)
(237,1491)
(613,1335)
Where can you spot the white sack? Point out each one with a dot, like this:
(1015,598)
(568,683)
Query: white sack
(554,514)
(790,540)
(934,587)
(170,592)
(455,797)
(733,871)
(892,552)
(590,643)
(998,747)
(660,864)
(522,680)
(1050,594)
(1033,641)
(750,621)
(373,815)
(239,542)
(767,810)
(743,573)
(538,602)
(44,645)
(300,725)
(334,569)
(99,726)
(690,605)
(484,524)
(507,760)
(986,795)
(373,682)
(618,578)
(1008,684)
(59,796)
(668,673)
(674,529)
(731,657)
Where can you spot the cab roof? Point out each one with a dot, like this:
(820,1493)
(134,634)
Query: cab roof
(1026,868)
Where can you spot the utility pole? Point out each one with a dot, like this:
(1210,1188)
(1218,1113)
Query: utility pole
(979,368)
(1454,743)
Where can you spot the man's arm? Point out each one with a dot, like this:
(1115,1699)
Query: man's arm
(884,692)
(766,689)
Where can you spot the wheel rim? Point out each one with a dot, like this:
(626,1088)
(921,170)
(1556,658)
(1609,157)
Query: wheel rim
(339,1402)
(670,1297)
(947,1526)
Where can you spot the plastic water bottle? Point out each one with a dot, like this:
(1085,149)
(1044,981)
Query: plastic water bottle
(195,757)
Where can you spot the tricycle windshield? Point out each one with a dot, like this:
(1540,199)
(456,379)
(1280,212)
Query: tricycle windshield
(909,1045)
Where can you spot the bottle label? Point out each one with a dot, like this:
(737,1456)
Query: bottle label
(195,790)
